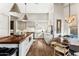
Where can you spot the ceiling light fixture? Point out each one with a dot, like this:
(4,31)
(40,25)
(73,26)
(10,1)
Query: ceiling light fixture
(70,18)
(25,16)
(15,8)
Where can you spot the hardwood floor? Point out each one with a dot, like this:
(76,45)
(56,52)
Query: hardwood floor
(40,48)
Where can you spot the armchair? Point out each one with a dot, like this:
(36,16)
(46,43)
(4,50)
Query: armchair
(60,48)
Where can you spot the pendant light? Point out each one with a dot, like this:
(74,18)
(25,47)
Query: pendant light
(25,16)
(70,18)
(15,8)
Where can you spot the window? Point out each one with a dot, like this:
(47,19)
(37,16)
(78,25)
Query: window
(74,30)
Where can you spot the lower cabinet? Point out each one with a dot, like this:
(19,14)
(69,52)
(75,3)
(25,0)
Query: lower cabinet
(25,45)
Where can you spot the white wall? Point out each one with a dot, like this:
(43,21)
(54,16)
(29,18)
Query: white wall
(4,25)
(51,14)
(58,14)
(35,7)
(5,8)
(62,11)
(37,21)
(37,16)
(66,26)
(74,10)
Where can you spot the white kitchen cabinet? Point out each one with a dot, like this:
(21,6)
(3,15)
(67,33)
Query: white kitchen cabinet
(25,45)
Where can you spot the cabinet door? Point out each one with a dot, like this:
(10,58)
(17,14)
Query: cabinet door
(23,47)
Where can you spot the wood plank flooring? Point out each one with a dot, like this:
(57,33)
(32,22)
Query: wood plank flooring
(40,48)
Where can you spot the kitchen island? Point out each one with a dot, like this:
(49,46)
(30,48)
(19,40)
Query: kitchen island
(22,42)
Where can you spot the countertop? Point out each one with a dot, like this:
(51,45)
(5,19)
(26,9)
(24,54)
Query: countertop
(14,39)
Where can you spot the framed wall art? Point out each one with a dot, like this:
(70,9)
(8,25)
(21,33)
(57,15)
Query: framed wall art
(58,25)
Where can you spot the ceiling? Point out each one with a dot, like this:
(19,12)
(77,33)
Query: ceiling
(30,7)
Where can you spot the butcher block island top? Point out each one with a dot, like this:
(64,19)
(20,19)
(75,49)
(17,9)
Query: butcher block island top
(14,39)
